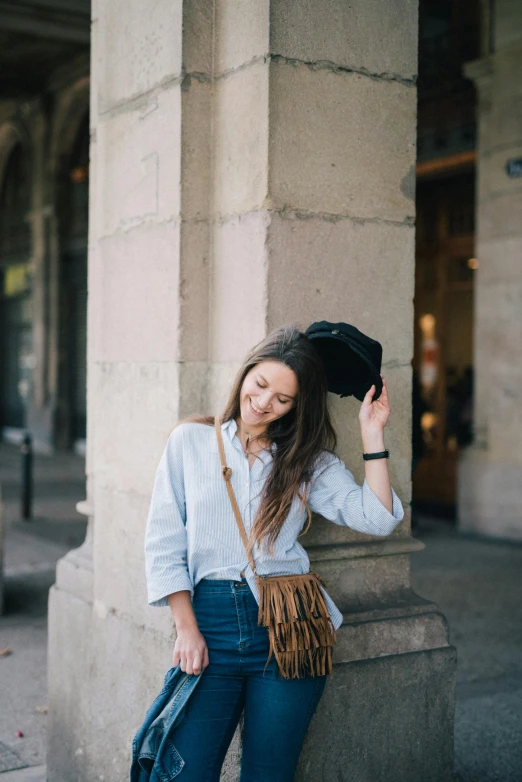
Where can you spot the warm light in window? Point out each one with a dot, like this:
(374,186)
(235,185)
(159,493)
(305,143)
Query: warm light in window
(79,174)
(428,421)
(427,324)
(473,263)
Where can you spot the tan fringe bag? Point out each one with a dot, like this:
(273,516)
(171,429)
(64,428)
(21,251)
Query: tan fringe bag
(300,629)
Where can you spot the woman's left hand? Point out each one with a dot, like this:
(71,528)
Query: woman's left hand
(373,416)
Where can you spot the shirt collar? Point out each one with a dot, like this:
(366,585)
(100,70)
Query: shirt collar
(230,427)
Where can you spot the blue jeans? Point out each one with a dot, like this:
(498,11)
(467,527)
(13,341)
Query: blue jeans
(277,711)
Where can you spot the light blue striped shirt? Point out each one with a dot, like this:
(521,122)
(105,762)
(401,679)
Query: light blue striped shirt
(191,529)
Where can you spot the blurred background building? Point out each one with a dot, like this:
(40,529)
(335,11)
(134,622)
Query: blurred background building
(468,281)
(449,36)
(44,173)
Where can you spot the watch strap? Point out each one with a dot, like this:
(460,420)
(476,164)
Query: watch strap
(378,455)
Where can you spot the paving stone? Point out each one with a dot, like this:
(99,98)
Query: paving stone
(9,758)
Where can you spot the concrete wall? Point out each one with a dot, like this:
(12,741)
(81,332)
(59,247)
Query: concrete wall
(252,164)
(490,501)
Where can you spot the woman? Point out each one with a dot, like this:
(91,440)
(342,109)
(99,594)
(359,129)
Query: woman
(279,442)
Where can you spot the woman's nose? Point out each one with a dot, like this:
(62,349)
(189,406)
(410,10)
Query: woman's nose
(264,402)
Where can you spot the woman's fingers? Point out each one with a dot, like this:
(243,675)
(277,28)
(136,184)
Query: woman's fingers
(191,661)
(196,662)
(369,394)
(384,393)
(190,652)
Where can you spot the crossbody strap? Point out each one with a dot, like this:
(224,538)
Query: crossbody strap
(227,474)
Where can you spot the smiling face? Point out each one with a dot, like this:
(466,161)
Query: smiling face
(268,392)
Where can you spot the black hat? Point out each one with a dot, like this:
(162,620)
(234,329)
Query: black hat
(352,361)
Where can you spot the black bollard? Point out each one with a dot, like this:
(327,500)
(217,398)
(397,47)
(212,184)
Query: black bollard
(27,476)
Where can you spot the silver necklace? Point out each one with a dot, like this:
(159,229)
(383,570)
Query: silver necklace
(247,444)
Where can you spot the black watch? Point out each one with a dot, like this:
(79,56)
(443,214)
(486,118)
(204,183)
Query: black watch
(379,455)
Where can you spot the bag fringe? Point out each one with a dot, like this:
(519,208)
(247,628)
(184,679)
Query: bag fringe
(300,629)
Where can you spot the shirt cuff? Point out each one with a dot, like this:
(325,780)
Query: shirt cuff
(381,518)
(175,582)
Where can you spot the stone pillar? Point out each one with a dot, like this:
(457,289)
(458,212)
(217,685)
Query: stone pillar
(107,649)
(38,426)
(490,473)
(255,169)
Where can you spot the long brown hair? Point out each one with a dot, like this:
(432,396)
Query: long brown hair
(300,435)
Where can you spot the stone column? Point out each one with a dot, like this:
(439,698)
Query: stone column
(490,474)
(37,413)
(255,169)
(107,649)
(313,218)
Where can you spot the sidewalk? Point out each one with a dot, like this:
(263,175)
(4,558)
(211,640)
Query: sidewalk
(476,582)
(32,549)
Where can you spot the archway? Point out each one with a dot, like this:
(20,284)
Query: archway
(450,35)
(15,293)
(73,207)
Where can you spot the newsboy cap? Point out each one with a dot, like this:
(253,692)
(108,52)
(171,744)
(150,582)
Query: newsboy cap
(352,361)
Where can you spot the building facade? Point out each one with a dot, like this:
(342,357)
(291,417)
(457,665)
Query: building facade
(489,498)
(450,35)
(466,363)
(44,172)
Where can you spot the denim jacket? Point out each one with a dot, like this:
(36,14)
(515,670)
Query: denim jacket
(154,756)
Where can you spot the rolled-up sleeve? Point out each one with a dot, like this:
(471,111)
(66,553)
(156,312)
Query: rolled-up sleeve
(336,495)
(165,536)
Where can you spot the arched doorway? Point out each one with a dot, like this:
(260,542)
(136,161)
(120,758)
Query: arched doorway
(443,359)
(73,208)
(450,35)
(15,295)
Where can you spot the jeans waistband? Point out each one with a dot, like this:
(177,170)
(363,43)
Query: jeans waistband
(222,585)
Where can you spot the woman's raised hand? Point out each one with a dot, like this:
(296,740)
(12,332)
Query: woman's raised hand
(190,650)
(373,416)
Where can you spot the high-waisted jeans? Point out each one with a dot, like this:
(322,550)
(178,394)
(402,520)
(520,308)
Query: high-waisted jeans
(277,711)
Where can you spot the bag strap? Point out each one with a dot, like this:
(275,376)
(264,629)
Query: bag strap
(227,474)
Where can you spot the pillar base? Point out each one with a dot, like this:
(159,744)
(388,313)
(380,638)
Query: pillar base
(69,665)
(385,719)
